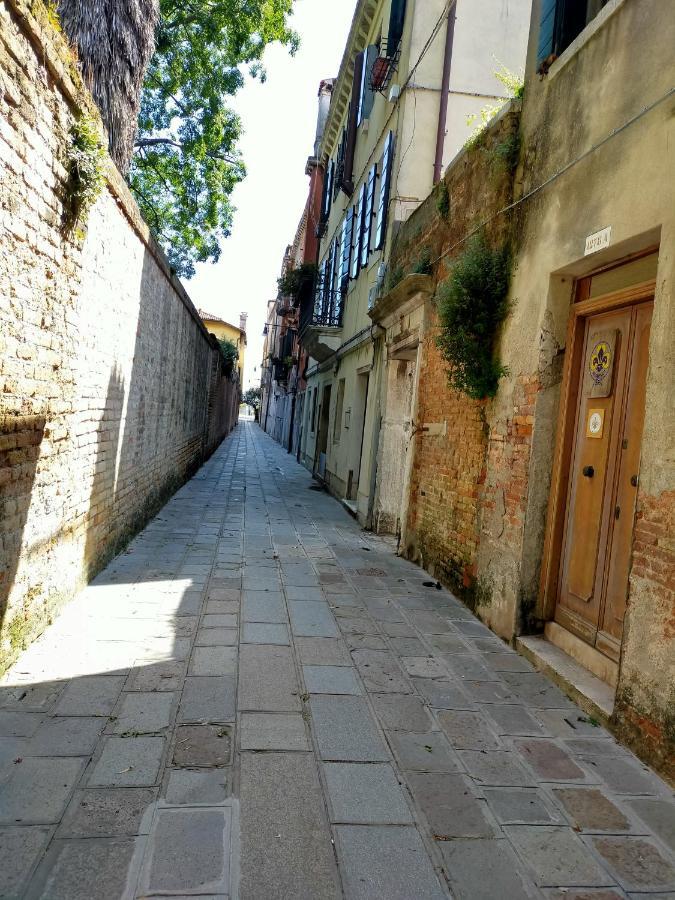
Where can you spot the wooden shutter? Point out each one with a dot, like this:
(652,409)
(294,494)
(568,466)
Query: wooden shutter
(396,20)
(385,184)
(346,247)
(367,93)
(357,231)
(368,215)
(328,190)
(547,30)
(334,297)
(339,164)
(347,183)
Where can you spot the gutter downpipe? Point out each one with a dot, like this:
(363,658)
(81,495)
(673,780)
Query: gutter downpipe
(445,86)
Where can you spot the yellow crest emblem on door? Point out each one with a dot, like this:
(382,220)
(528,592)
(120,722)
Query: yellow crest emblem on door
(600,359)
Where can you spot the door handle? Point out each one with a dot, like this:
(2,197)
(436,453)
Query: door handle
(634,480)
(588,471)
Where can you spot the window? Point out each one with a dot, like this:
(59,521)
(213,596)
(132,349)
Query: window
(334,295)
(346,247)
(561,22)
(339,404)
(339,172)
(314,411)
(367,94)
(356,232)
(327,190)
(396,21)
(368,215)
(385,184)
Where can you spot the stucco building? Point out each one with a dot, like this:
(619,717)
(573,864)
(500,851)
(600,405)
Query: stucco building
(386,139)
(225,331)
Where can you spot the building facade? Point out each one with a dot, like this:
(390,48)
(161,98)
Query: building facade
(224,331)
(386,140)
(549,506)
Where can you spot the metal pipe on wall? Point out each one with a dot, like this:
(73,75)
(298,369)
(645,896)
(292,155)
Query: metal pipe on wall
(445,86)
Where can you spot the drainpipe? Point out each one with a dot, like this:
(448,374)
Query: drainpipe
(445,85)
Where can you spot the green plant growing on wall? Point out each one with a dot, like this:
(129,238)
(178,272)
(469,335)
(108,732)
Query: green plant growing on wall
(295,282)
(392,278)
(443,200)
(230,355)
(472,304)
(514,86)
(86,173)
(423,264)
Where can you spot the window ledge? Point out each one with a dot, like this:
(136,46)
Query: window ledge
(585,36)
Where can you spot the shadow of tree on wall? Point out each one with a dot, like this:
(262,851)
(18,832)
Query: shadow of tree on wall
(102,495)
(20,439)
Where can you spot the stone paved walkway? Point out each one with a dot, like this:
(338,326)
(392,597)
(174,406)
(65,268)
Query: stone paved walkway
(259,700)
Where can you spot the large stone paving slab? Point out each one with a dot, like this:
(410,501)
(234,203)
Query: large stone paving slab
(286,848)
(345,729)
(380,863)
(37,790)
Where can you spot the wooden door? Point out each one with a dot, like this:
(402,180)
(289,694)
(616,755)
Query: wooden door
(600,511)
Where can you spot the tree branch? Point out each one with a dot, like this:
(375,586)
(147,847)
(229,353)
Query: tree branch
(142,143)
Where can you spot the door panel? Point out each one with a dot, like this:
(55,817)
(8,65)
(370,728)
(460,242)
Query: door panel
(596,547)
(614,606)
(592,471)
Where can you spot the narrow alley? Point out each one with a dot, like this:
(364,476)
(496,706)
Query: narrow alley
(259,700)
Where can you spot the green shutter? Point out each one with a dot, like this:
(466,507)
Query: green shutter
(547,30)
(396,20)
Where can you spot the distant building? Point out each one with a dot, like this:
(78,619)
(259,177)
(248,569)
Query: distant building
(223,330)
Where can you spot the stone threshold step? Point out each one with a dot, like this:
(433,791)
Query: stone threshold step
(594,696)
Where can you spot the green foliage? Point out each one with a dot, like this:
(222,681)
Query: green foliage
(186,163)
(472,304)
(86,173)
(505,153)
(514,86)
(423,264)
(443,200)
(253,397)
(230,354)
(295,282)
(393,277)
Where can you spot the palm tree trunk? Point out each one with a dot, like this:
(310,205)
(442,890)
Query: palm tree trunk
(115,40)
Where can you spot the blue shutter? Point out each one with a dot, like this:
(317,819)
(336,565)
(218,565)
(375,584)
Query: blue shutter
(385,184)
(547,29)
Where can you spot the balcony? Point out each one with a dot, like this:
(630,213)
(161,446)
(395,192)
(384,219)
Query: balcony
(321,322)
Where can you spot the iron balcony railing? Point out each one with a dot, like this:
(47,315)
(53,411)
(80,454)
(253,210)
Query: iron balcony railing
(323,309)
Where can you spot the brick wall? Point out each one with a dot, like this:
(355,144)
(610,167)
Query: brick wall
(111,390)
(449,493)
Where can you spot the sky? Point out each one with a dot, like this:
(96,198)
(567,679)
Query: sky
(279,124)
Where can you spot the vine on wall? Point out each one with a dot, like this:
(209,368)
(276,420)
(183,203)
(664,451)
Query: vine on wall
(86,157)
(472,304)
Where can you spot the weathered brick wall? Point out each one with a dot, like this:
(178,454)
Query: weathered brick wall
(111,390)
(449,496)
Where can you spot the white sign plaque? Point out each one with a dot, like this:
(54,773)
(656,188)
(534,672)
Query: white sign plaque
(598,241)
